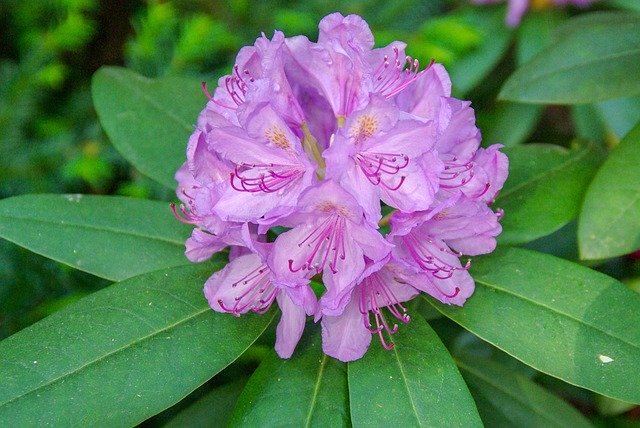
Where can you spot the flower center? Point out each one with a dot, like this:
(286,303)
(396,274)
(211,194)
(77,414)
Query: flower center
(367,126)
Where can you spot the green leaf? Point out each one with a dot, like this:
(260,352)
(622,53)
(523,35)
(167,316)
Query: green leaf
(122,354)
(544,189)
(609,224)
(507,399)
(535,32)
(109,236)
(414,384)
(621,114)
(625,4)
(508,123)
(593,58)
(559,317)
(609,406)
(469,70)
(589,123)
(148,121)
(211,410)
(309,389)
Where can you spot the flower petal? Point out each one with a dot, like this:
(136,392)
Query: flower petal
(290,327)
(345,337)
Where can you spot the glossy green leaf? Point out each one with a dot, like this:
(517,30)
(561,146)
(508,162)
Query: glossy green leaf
(544,189)
(109,236)
(469,70)
(309,389)
(148,121)
(559,317)
(592,58)
(508,123)
(535,32)
(589,123)
(609,224)
(213,409)
(620,115)
(626,4)
(122,354)
(609,406)
(414,384)
(506,398)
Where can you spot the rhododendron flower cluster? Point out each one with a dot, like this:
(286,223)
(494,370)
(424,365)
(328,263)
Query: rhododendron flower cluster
(313,140)
(517,8)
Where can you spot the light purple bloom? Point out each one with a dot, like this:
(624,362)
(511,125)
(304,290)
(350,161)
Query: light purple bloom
(348,335)
(376,156)
(432,242)
(330,237)
(246,284)
(315,138)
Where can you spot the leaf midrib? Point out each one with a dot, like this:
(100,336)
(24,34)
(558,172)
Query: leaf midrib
(517,398)
(572,159)
(106,355)
(316,389)
(406,385)
(627,207)
(537,77)
(556,311)
(116,351)
(144,96)
(95,228)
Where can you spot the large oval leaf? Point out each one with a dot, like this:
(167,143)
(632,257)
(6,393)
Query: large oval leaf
(310,389)
(535,32)
(148,121)
(559,317)
(213,409)
(468,70)
(414,384)
(122,354)
(544,189)
(108,236)
(508,123)
(609,224)
(507,399)
(593,58)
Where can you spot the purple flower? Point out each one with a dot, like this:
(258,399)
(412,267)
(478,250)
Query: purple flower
(431,243)
(375,156)
(329,236)
(246,284)
(378,297)
(291,162)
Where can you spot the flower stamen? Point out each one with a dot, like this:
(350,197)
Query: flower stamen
(390,80)
(375,165)
(327,245)
(258,295)
(267,178)
(375,295)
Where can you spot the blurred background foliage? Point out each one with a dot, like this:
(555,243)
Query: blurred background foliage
(51,141)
